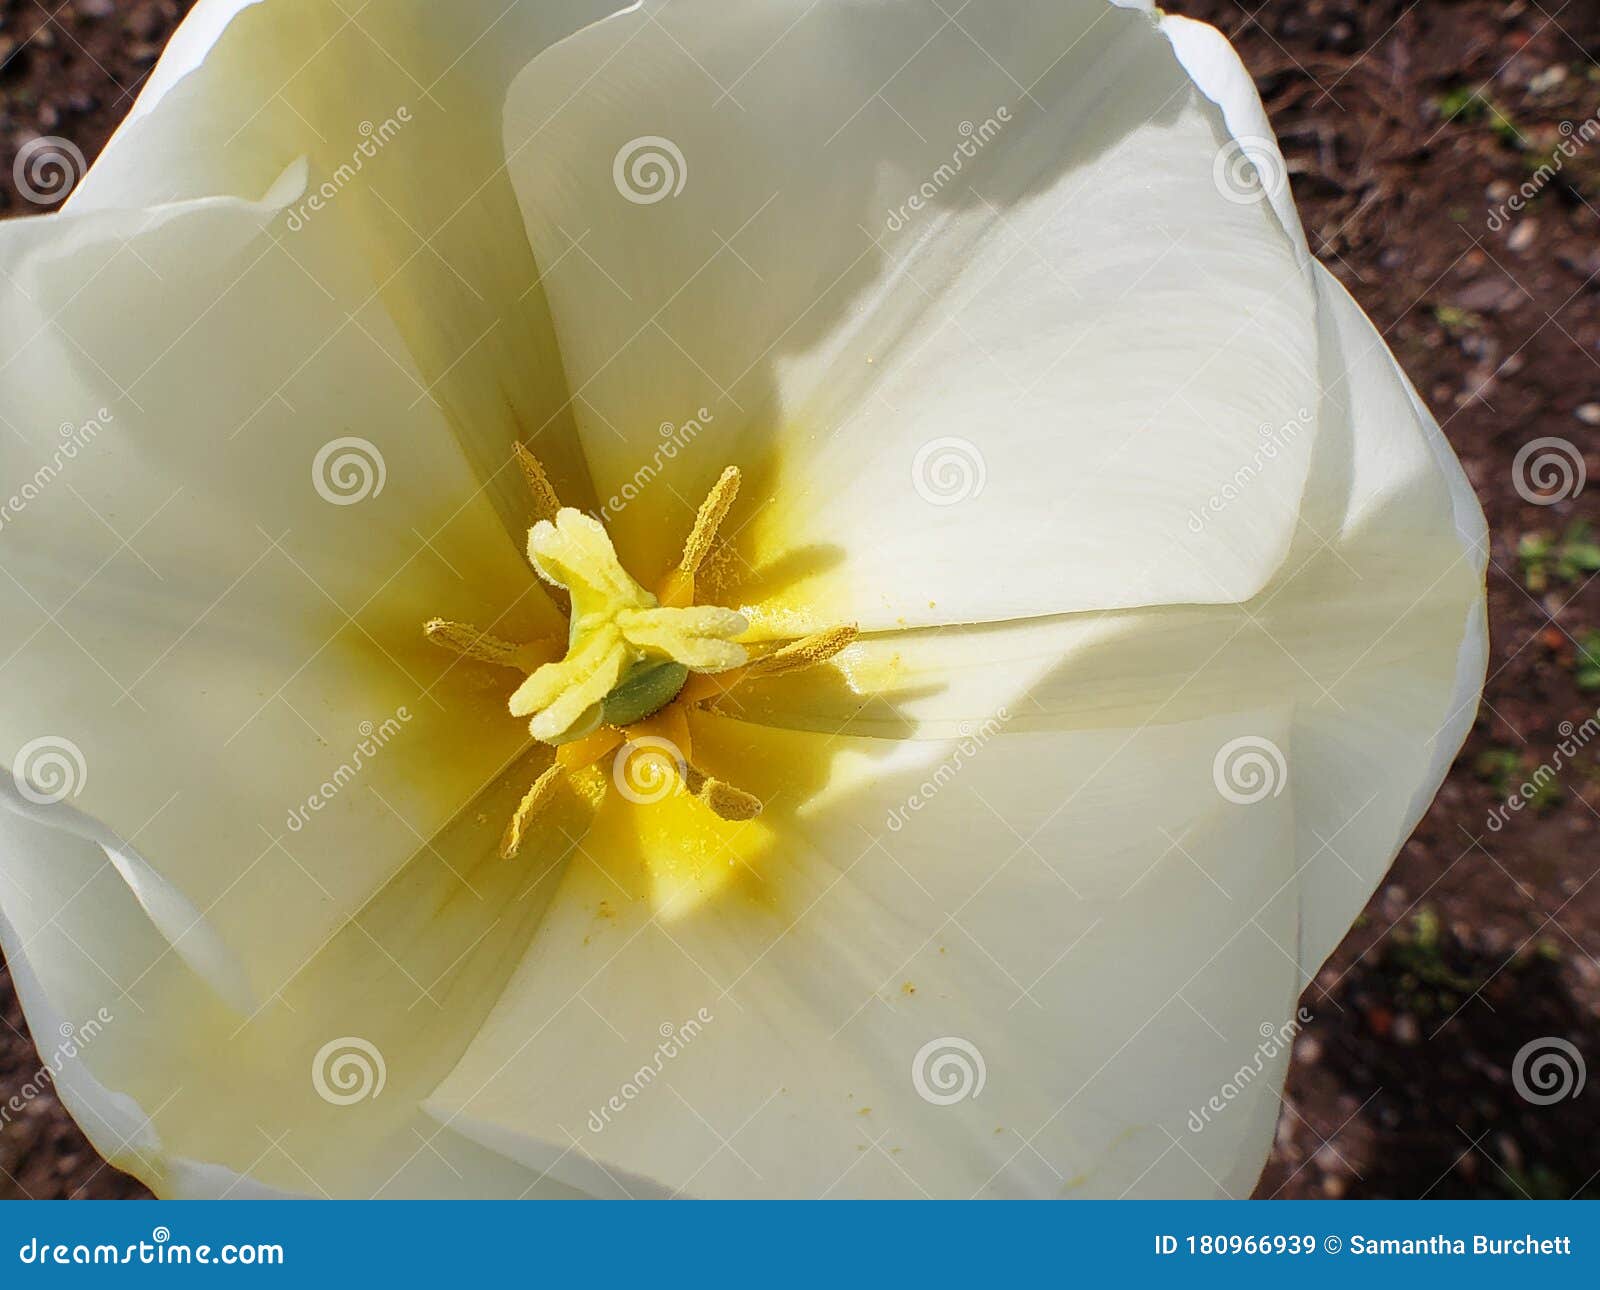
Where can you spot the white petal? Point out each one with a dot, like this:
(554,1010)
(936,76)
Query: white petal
(1373,630)
(397,109)
(1111,949)
(1006,403)
(232,515)
(199,1101)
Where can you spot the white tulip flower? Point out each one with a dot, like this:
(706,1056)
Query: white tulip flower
(1018,606)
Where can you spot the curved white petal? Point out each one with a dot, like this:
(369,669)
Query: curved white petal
(396,107)
(200,1101)
(963,387)
(1373,630)
(1085,910)
(231,516)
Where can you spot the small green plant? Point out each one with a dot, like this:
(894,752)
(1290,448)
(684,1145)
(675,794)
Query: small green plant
(1458,322)
(1462,104)
(1547,560)
(1506,771)
(1587,672)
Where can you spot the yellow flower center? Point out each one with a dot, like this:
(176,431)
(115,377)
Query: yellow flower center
(633,664)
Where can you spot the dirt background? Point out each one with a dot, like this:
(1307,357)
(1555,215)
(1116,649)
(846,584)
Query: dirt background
(1407,124)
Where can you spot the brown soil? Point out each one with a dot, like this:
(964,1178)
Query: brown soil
(1405,124)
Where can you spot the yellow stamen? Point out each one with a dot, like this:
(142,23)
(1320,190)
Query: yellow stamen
(546,505)
(469,642)
(724,800)
(537,798)
(719,501)
(809,651)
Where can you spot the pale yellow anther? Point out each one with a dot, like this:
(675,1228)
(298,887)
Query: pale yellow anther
(469,642)
(719,501)
(536,799)
(723,800)
(809,651)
